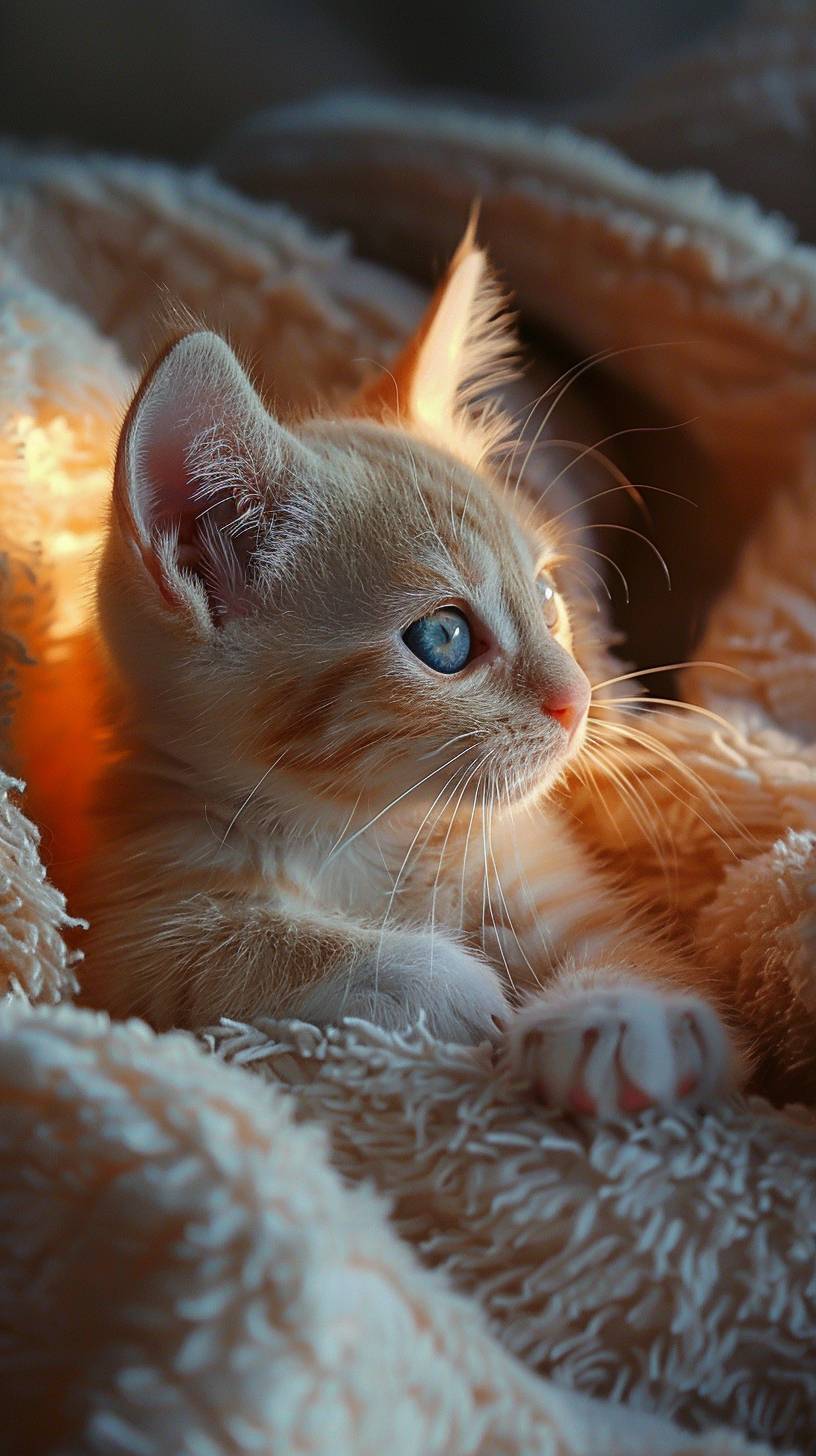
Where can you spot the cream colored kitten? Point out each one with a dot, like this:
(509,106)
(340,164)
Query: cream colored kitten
(343,682)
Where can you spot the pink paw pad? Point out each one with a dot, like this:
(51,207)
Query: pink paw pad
(631,1097)
(580,1101)
(625,1051)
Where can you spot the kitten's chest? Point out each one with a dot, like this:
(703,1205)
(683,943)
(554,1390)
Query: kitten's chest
(377,882)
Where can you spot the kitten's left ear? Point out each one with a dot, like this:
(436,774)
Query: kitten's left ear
(200,465)
(461,348)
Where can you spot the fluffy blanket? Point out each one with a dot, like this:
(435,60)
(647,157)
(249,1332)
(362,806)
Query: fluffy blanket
(188,1262)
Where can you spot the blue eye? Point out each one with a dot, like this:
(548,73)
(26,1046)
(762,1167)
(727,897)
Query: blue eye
(441,640)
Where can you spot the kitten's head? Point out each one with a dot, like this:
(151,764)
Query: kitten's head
(329,615)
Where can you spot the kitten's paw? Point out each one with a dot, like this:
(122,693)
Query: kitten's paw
(621,1050)
(407,974)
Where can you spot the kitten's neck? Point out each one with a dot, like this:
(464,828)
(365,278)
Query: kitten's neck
(147,786)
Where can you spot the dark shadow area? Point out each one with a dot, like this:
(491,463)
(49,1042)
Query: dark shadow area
(169,78)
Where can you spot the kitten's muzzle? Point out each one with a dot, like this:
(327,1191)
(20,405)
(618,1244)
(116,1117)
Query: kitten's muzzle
(569,704)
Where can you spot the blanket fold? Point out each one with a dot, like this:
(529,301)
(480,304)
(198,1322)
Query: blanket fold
(183,1272)
(582,1244)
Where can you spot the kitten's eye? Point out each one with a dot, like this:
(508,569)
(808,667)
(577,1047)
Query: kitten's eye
(441,640)
(549,599)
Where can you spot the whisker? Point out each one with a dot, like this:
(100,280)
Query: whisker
(397,800)
(632,803)
(584,770)
(650,702)
(432,753)
(409,851)
(661,751)
(662,781)
(628,531)
(352,811)
(626,486)
(671,667)
(668,779)
(505,962)
(250,796)
(606,464)
(465,861)
(544,938)
(565,382)
(462,791)
(364,359)
(654,836)
(587,565)
(615,567)
(608,439)
(503,899)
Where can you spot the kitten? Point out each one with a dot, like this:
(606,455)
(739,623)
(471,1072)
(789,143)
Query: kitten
(342,665)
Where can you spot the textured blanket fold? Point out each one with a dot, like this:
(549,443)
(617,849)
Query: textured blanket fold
(184,1266)
(183,1273)
(584,1247)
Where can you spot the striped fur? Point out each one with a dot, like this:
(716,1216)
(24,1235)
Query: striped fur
(303,819)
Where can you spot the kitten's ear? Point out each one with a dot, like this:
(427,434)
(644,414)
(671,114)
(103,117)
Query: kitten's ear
(461,348)
(200,462)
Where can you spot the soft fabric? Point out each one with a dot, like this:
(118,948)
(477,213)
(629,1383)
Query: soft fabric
(35,962)
(146,1188)
(183,1273)
(667,1264)
(735,105)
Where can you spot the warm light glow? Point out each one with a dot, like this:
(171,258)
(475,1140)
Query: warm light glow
(67,491)
(55,476)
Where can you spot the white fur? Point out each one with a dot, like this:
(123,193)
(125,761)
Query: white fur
(406,976)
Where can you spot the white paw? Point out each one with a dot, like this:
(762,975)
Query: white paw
(621,1050)
(411,973)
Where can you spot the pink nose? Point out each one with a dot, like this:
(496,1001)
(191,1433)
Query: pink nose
(569,704)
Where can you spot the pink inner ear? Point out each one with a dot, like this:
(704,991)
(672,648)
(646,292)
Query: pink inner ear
(201,464)
(169,486)
(171,494)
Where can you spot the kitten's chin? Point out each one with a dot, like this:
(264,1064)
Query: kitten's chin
(534,781)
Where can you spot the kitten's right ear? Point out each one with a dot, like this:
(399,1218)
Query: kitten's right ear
(462,347)
(200,463)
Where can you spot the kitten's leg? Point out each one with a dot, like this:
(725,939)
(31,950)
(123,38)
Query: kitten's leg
(394,978)
(199,957)
(615,1020)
